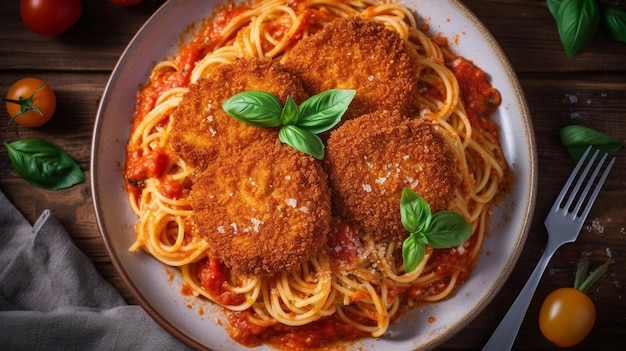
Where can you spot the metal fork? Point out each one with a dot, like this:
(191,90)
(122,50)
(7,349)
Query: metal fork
(563,224)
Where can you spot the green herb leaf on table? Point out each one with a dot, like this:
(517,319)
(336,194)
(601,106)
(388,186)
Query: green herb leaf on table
(614,21)
(577,138)
(298,124)
(44,164)
(444,229)
(553,6)
(577,22)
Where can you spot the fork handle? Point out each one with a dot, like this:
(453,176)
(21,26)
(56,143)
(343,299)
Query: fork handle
(504,336)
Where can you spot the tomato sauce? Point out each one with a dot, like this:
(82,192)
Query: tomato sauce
(172,189)
(214,277)
(344,245)
(140,165)
(314,335)
(480,99)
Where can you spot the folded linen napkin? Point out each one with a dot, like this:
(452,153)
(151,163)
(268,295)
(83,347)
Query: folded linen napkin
(53,298)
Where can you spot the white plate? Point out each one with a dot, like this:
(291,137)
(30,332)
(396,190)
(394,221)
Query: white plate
(201,324)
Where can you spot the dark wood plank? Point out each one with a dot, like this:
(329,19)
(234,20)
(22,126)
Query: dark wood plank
(94,43)
(528,35)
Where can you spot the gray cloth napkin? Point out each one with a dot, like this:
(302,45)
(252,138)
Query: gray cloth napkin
(53,298)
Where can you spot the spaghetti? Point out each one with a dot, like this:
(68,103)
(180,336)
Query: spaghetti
(332,296)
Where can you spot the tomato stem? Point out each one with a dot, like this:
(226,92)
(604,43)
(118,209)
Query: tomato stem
(582,270)
(583,281)
(26,104)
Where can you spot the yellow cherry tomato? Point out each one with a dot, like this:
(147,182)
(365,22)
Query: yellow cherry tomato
(30,102)
(566,316)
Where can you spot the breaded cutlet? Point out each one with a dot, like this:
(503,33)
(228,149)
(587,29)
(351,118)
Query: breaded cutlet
(265,210)
(370,159)
(202,130)
(360,54)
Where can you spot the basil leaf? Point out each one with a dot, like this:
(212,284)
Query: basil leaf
(302,140)
(323,111)
(290,112)
(414,211)
(615,23)
(413,252)
(577,138)
(447,229)
(44,164)
(257,108)
(577,22)
(553,6)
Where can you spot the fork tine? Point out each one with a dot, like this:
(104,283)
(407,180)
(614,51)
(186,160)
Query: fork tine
(559,199)
(581,178)
(596,190)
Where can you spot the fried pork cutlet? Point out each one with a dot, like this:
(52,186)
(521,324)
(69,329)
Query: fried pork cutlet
(361,54)
(370,159)
(265,210)
(202,130)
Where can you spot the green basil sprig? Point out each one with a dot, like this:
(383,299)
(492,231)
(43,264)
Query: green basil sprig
(299,124)
(577,138)
(44,164)
(553,6)
(441,230)
(614,21)
(578,21)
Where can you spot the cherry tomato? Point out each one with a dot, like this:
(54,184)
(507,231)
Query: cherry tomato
(50,17)
(30,102)
(566,316)
(125,2)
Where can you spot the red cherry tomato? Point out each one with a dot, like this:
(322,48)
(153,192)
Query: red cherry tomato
(566,316)
(125,2)
(30,102)
(50,17)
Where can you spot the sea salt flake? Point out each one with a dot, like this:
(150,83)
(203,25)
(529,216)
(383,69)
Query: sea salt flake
(367,188)
(597,226)
(256,222)
(292,202)
(460,249)
(571,98)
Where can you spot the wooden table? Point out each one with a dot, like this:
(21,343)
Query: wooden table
(588,89)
